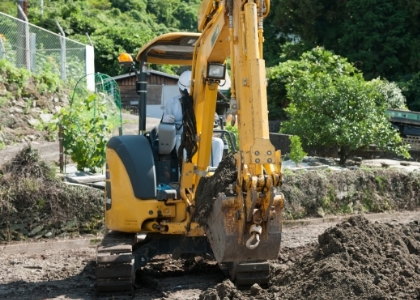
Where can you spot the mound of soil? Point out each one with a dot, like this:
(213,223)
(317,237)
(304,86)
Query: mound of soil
(35,204)
(357,260)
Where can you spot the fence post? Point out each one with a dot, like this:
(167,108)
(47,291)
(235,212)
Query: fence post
(25,46)
(61,147)
(33,52)
(2,49)
(63,52)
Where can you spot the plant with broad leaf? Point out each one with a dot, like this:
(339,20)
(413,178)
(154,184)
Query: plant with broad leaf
(86,130)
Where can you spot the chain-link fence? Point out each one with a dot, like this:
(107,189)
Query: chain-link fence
(32,47)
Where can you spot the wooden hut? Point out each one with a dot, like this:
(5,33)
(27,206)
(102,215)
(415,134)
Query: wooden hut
(155,82)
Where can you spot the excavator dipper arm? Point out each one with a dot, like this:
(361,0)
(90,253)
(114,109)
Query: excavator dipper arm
(245,226)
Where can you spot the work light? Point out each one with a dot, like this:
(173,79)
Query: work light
(216,71)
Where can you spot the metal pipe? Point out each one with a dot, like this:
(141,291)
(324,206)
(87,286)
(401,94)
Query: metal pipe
(63,52)
(142,91)
(22,15)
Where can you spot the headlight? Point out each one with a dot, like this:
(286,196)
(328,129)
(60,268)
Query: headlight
(216,71)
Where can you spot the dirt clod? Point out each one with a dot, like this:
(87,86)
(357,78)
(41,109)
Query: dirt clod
(225,290)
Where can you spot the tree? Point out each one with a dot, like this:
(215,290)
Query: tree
(336,107)
(381,37)
(296,152)
(317,60)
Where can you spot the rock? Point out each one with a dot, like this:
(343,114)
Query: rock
(65,99)
(255,289)
(70,226)
(33,122)
(20,104)
(17,226)
(320,212)
(15,109)
(35,230)
(3,91)
(49,234)
(46,118)
(225,289)
(3,234)
(209,294)
(17,236)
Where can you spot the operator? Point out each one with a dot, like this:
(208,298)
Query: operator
(173,114)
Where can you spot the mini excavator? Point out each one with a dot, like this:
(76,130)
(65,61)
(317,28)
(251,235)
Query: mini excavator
(158,203)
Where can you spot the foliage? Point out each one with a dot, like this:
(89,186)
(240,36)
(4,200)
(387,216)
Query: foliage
(296,152)
(391,94)
(112,25)
(380,37)
(332,105)
(234,130)
(317,61)
(410,86)
(13,75)
(86,130)
(22,82)
(8,7)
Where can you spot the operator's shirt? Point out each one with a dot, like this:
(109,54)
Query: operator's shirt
(173,107)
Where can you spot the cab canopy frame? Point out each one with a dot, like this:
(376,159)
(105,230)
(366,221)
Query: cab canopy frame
(175,48)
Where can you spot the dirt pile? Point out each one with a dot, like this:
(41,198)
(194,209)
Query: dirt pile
(35,204)
(357,260)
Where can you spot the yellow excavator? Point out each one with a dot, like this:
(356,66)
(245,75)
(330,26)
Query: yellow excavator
(158,203)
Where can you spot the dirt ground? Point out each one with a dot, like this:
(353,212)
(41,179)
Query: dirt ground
(67,271)
(324,258)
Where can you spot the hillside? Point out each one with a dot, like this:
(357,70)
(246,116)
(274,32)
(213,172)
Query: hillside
(27,105)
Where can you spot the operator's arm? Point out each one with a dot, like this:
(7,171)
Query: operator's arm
(173,111)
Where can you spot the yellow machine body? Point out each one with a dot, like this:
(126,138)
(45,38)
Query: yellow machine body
(227,31)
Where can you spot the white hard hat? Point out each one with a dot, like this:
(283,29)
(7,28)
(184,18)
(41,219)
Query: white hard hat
(184,81)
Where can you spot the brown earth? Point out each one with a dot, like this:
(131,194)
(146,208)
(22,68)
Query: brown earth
(356,259)
(318,259)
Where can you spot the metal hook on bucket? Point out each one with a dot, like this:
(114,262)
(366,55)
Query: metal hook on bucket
(249,241)
(255,232)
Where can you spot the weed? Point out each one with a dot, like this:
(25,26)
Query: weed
(28,106)
(381,182)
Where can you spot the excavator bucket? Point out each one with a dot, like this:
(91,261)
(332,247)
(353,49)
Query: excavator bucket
(228,232)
